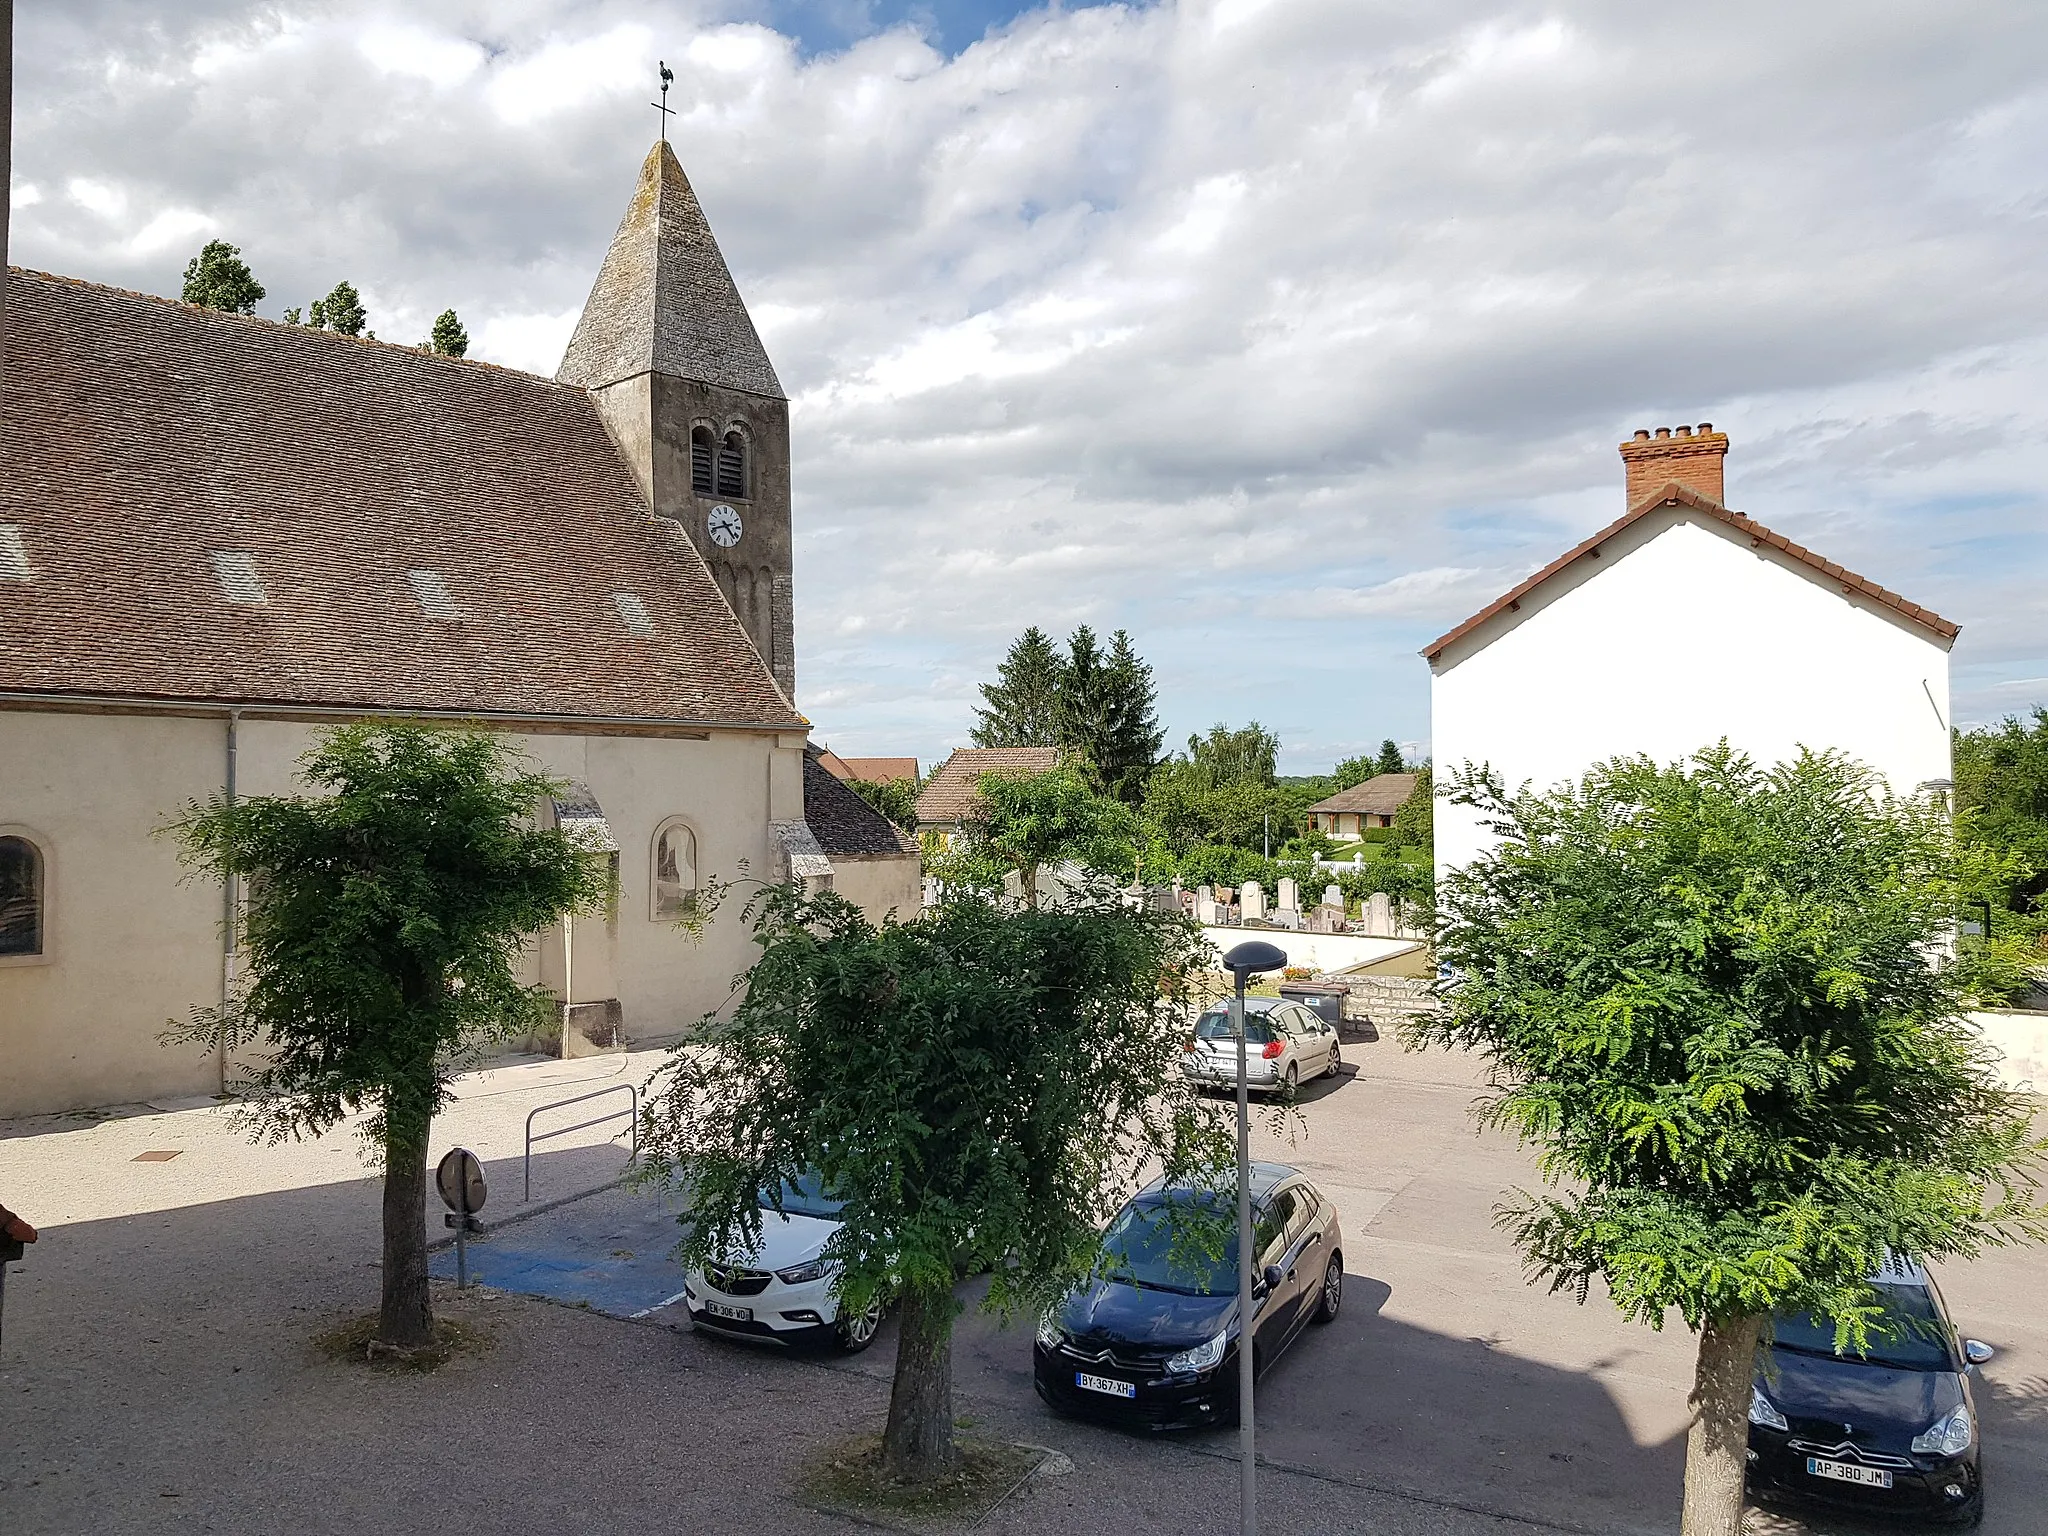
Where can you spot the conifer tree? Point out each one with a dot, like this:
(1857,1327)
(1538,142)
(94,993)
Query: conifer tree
(1390,759)
(1021,707)
(218,278)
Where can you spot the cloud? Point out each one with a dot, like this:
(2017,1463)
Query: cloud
(1284,333)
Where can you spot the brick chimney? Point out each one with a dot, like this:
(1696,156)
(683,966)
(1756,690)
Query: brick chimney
(1690,455)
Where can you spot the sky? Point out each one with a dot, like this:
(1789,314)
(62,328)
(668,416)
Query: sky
(1282,333)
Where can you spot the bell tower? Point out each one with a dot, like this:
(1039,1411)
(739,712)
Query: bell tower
(668,352)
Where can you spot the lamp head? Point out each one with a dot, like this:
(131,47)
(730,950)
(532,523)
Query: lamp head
(1254,957)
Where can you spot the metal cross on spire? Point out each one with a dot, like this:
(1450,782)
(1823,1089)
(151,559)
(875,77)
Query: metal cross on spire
(662,105)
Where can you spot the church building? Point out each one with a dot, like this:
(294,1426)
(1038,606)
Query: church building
(220,535)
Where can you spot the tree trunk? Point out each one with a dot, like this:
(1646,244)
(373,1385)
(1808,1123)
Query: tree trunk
(1717,1445)
(405,1316)
(917,1445)
(1027,875)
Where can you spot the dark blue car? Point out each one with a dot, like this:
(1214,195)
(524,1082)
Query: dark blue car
(1893,1430)
(1152,1340)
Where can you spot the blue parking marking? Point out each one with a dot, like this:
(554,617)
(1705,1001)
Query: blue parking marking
(611,1252)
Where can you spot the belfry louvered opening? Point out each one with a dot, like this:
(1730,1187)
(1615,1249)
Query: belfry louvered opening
(732,466)
(702,454)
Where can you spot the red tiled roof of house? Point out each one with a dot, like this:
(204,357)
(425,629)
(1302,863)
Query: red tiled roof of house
(1674,494)
(408,532)
(881,770)
(955,785)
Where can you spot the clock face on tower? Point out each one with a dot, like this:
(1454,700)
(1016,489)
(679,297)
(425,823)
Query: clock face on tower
(724,526)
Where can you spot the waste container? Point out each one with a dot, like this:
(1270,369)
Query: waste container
(1326,998)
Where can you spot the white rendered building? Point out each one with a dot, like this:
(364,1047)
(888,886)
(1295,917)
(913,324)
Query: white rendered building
(1678,625)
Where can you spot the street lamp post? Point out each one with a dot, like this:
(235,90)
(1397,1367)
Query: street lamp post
(1253,958)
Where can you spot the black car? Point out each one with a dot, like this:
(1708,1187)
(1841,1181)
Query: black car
(1892,1430)
(1152,1340)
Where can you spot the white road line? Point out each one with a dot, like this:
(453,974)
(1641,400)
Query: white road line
(645,1311)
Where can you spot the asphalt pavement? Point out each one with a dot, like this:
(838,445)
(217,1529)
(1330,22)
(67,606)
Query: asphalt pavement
(157,1374)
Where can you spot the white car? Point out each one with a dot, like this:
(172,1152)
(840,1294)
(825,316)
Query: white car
(1285,1045)
(785,1292)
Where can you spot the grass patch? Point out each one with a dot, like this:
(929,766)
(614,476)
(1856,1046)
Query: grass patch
(849,1478)
(354,1342)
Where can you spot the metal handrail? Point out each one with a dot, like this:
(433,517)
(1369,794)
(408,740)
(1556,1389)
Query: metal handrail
(632,1111)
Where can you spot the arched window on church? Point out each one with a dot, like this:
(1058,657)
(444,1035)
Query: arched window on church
(21,897)
(732,466)
(703,455)
(674,894)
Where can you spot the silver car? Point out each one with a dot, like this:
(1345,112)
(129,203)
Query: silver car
(1285,1045)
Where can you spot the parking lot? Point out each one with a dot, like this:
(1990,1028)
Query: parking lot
(156,1374)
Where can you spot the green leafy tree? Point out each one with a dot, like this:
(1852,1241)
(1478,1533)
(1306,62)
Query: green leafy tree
(976,1085)
(218,278)
(894,798)
(342,311)
(448,337)
(380,946)
(1415,818)
(1025,822)
(1708,996)
(1021,708)
(1246,756)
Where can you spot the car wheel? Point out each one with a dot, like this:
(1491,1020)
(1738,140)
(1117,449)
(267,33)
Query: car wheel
(857,1331)
(1332,1296)
(1336,1061)
(1293,1078)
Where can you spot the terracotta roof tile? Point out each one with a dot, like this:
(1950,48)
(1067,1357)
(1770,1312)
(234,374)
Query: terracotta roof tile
(142,435)
(1674,494)
(881,770)
(950,794)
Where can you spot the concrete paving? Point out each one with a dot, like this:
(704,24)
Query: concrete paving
(157,1375)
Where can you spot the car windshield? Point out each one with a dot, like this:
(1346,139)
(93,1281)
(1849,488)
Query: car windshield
(1215,1025)
(1187,1244)
(1910,1335)
(804,1196)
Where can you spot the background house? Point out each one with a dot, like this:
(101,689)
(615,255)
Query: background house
(1677,625)
(950,795)
(869,770)
(1347,814)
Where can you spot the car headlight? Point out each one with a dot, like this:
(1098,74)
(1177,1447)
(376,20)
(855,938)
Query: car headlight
(1049,1332)
(1947,1437)
(1763,1411)
(802,1274)
(1202,1357)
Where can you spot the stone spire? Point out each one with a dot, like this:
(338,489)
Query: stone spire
(664,301)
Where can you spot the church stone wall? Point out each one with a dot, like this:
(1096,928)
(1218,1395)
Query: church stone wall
(130,946)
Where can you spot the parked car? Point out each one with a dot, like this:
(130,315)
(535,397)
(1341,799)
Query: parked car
(1286,1045)
(785,1291)
(1152,1339)
(1891,1430)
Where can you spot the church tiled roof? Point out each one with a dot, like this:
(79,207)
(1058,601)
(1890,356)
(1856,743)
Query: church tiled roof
(843,823)
(664,300)
(213,507)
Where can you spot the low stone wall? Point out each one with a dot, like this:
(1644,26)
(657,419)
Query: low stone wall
(1383,1001)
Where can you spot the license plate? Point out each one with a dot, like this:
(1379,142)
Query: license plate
(730,1314)
(1107,1384)
(1848,1472)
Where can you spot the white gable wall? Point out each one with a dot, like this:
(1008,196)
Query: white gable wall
(1680,632)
